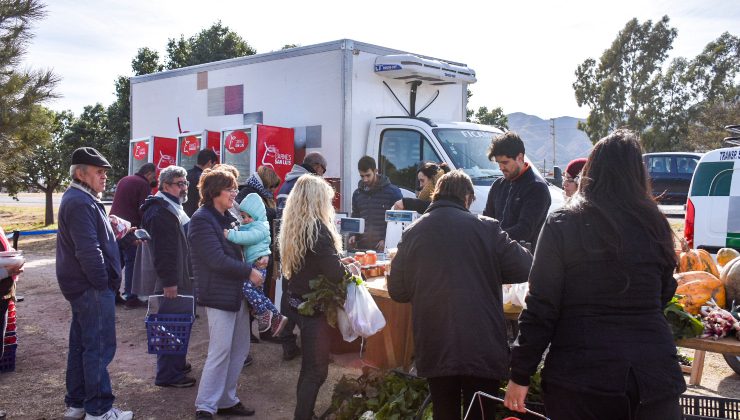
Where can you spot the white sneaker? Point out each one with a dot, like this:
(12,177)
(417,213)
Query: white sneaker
(74,413)
(113,414)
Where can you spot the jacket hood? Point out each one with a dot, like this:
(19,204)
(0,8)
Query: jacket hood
(382,182)
(253,205)
(153,201)
(296,172)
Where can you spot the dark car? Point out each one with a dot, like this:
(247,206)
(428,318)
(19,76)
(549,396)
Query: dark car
(670,174)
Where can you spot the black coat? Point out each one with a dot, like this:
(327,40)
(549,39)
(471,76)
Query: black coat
(321,259)
(520,205)
(169,244)
(601,313)
(370,203)
(450,265)
(193,178)
(218,265)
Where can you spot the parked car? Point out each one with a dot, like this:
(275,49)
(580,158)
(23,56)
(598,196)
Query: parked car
(670,174)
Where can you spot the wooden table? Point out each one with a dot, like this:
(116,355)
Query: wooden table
(393,346)
(727,345)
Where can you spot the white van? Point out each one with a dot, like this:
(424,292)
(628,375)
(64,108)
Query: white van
(713,205)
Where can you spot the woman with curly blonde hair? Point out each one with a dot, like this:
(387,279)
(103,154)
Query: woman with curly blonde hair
(310,246)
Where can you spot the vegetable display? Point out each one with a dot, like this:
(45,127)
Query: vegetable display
(695,260)
(718,322)
(683,324)
(696,288)
(730,278)
(726,255)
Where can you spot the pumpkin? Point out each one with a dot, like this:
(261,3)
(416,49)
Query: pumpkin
(726,255)
(730,278)
(697,287)
(696,260)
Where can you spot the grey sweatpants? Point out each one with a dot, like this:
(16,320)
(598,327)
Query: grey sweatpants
(227,350)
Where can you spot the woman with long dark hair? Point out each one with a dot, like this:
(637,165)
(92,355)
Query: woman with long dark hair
(602,273)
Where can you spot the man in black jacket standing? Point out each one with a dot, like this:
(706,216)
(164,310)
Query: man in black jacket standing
(519,200)
(374,195)
(165,220)
(206,159)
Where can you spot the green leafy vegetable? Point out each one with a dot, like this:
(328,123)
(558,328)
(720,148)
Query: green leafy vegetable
(683,324)
(327,297)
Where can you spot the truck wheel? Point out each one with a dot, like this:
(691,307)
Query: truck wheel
(733,361)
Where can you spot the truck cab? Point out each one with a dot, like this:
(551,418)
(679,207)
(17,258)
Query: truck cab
(400,144)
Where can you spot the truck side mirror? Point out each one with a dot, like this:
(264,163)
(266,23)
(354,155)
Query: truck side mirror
(557,175)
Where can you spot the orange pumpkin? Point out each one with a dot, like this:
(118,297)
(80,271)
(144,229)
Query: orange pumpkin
(730,278)
(726,255)
(696,260)
(697,287)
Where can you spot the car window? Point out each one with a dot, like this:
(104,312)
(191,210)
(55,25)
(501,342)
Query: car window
(659,164)
(401,152)
(686,164)
(712,179)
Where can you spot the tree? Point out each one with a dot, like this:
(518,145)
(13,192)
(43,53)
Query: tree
(212,44)
(494,118)
(46,165)
(620,88)
(20,89)
(289,46)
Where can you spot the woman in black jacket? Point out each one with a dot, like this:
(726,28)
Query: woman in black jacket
(427,176)
(220,272)
(450,265)
(602,273)
(310,247)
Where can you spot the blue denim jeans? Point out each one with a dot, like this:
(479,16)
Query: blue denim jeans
(92,345)
(128,256)
(315,341)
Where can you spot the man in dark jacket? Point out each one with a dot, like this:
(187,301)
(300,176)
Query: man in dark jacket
(206,159)
(165,220)
(520,199)
(131,191)
(374,195)
(313,163)
(89,272)
(450,265)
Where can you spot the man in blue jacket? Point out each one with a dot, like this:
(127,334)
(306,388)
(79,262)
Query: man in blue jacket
(519,200)
(89,274)
(374,195)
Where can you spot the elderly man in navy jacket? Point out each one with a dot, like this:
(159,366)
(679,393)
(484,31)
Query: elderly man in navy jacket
(89,272)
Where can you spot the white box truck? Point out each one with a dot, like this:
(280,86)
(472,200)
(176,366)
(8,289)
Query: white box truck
(344,99)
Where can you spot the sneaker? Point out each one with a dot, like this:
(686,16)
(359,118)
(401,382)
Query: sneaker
(264,321)
(74,413)
(277,323)
(237,410)
(119,299)
(248,361)
(203,415)
(185,382)
(187,368)
(112,414)
(133,303)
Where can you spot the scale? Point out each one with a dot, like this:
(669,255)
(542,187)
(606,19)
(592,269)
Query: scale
(396,222)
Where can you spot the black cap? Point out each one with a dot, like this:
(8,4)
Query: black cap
(89,156)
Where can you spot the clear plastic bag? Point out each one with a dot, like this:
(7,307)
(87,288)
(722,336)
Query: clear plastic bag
(345,327)
(364,316)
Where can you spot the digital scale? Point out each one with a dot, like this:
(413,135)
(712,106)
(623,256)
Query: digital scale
(396,222)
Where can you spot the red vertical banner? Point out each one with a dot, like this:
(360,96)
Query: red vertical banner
(165,153)
(213,142)
(276,149)
(139,155)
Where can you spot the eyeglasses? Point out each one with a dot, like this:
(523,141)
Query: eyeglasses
(181,184)
(232,192)
(572,180)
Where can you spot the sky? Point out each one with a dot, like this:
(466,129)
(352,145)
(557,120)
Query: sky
(524,52)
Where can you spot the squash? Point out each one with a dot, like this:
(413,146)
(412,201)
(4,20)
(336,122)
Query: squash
(730,278)
(697,287)
(696,260)
(726,255)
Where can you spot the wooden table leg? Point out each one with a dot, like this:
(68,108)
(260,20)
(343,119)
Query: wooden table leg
(390,352)
(697,367)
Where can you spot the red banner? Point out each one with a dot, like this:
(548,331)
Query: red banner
(190,145)
(141,150)
(236,142)
(275,148)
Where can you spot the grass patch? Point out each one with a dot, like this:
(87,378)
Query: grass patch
(23,218)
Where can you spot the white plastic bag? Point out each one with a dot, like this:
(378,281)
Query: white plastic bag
(364,315)
(515,294)
(345,327)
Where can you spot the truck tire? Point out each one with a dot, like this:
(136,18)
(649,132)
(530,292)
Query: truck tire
(733,361)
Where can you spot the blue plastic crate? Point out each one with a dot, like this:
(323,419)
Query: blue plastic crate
(168,333)
(7,361)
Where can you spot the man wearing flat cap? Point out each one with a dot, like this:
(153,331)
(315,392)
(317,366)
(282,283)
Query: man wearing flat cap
(89,274)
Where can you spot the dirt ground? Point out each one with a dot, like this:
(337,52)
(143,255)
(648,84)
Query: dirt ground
(36,389)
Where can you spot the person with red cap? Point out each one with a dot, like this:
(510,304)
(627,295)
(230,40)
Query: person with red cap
(572,176)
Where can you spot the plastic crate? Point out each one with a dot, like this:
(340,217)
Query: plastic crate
(696,407)
(168,333)
(7,361)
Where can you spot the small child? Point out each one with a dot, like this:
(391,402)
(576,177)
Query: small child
(254,236)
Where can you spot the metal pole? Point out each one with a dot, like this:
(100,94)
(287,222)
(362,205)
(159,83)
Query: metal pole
(552,133)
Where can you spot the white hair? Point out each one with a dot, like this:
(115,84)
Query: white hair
(75,167)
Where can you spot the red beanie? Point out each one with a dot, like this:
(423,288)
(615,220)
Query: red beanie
(575,167)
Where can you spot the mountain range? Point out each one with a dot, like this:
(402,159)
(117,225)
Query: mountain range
(570,142)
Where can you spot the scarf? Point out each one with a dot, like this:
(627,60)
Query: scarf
(256,183)
(177,206)
(83,186)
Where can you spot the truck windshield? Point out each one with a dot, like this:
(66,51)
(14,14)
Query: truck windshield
(468,150)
